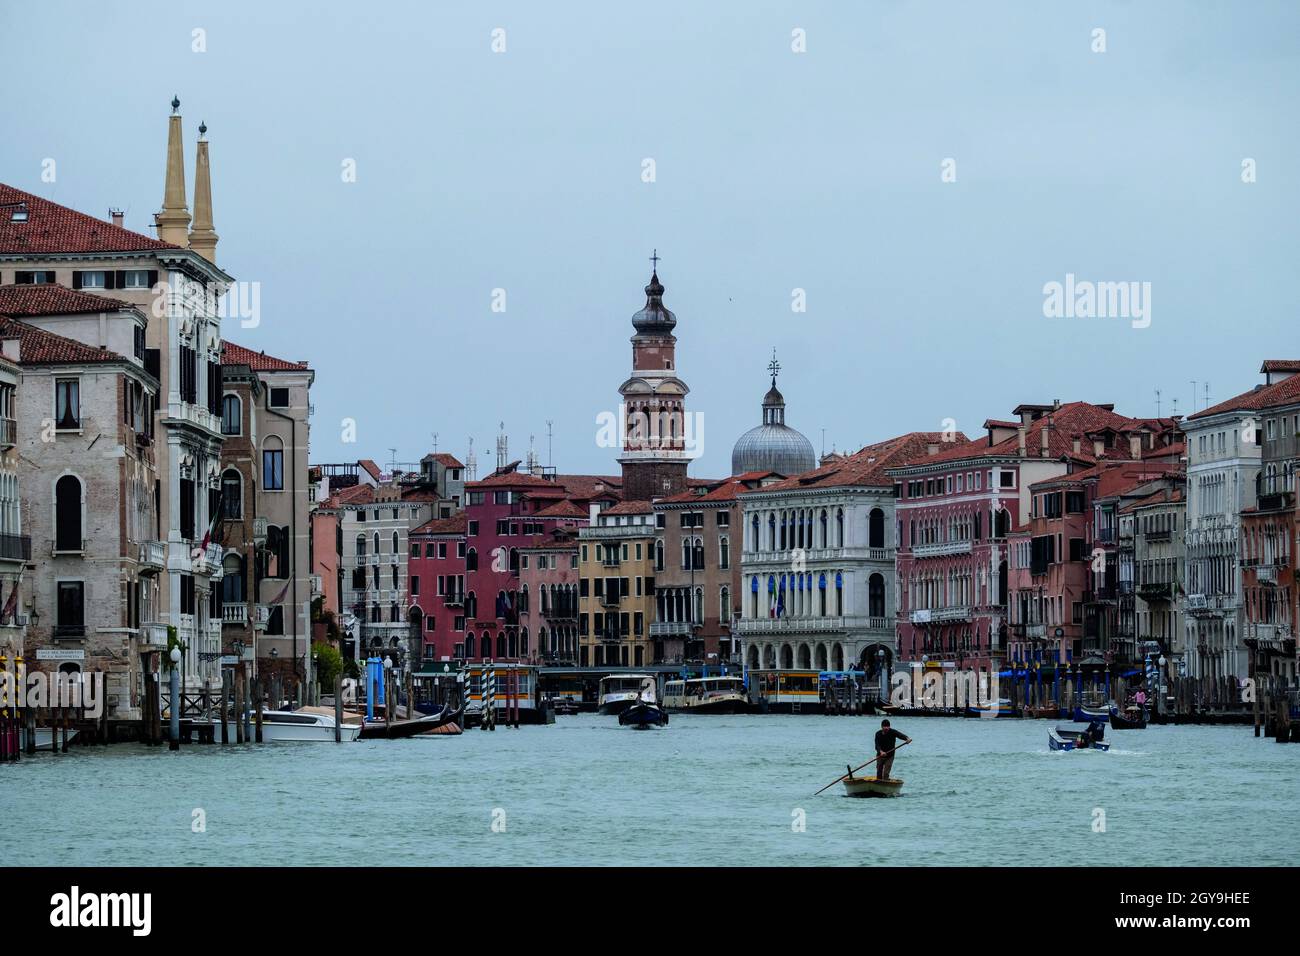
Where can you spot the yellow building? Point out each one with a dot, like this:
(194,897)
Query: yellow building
(616,588)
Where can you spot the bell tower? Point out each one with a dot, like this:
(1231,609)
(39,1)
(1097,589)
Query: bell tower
(655,427)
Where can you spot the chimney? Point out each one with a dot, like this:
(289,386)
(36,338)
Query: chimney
(1135,447)
(203,239)
(1021,438)
(115,216)
(12,349)
(1078,444)
(1098,447)
(174,219)
(1045,437)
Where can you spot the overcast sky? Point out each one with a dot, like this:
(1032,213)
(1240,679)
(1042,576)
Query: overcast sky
(774,171)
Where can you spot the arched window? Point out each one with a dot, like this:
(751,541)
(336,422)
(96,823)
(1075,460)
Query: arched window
(839,527)
(724,605)
(471,561)
(501,645)
(470,646)
(273,465)
(232,487)
(825,542)
(67,514)
(754,540)
(659,555)
(686,554)
(395,543)
(377,542)
(523,642)
(231,418)
(232,581)
(698,553)
(361,546)
(876,529)
(771,532)
(839,594)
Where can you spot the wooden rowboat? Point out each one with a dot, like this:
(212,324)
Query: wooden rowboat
(872,787)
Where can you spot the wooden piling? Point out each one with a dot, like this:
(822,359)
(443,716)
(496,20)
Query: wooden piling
(239,708)
(257,696)
(225,699)
(338,708)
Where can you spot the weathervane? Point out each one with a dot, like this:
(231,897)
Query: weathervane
(774,367)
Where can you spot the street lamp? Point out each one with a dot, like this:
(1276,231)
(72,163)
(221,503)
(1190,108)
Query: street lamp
(1160,687)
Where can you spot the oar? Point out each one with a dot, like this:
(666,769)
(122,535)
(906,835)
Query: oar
(867,764)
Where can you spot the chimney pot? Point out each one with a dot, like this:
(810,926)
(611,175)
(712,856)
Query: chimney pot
(115,216)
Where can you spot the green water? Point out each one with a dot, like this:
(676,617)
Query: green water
(704,790)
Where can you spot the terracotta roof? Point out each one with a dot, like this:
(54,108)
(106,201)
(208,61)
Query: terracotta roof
(866,467)
(561,509)
(444,459)
(51,228)
(353,495)
(52,299)
(722,492)
(371,468)
(629,508)
(456,524)
(565,543)
(1280,365)
(1285,392)
(1069,421)
(586,487)
(232,354)
(1163,496)
(38,347)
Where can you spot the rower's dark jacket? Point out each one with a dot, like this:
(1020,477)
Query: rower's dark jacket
(885,738)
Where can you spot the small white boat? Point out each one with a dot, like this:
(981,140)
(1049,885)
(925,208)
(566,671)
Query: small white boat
(296,725)
(1077,737)
(618,692)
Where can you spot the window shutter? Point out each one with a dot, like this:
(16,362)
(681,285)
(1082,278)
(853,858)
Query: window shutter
(119,279)
(109,276)
(76,280)
(153,278)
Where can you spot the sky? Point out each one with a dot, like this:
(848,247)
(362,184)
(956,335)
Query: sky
(828,169)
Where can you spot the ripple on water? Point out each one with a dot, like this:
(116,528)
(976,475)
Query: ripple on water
(699,791)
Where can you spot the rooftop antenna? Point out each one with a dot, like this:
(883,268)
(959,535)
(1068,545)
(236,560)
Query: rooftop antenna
(1207,394)
(392,460)
(549,436)
(503,446)
(1157,403)
(435,443)
(823,443)
(1194,384)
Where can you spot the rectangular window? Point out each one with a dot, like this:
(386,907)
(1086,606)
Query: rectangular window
(67,403)
(84,279)
(71,610)
(33,278)
(279,398)
(415,585)
(273,469)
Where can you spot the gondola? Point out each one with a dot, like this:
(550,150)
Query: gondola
(1134,719)
(1071,737)
(1088,715)
(643,715)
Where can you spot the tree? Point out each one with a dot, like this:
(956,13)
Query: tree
(329,664)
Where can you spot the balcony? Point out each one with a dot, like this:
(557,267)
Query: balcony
(8,433)
(261,616)
(15,547)
(940,615)
(1266,574)
(609,600)
(1158,535)
(317,586)
(236,614)
(61,549)
(453,600)
(153,634)
(208,562)
(1156,591)
(943,548)
(1210,605)
(670,629)
(754,626)
(153,557)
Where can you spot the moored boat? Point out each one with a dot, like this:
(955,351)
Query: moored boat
(706,695)
(304,725)
(1132,719)
(872,787)
(1077,737)
(1002,708)
(1088,715)
(46,736)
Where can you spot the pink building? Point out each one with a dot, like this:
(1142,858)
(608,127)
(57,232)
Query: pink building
(437,586)
(955,510)
(548,575)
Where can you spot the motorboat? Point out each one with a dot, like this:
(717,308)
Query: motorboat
(1077,736)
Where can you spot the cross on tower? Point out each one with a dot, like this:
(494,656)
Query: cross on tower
(774,367)
(654,261)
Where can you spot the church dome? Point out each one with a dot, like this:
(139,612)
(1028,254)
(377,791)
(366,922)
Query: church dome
(773,445)
(655,318)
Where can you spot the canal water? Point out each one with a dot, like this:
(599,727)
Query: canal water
(701,791)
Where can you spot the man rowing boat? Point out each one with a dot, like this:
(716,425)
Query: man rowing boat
(885,747)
